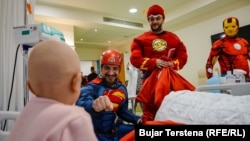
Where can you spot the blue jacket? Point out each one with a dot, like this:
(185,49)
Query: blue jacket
(104,121)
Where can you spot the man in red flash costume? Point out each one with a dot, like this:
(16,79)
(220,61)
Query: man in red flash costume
(232,52)
(156,49)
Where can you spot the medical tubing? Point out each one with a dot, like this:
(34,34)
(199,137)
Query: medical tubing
(14,70)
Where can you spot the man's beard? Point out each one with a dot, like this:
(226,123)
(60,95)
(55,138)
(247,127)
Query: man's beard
(110,83)
(156,29)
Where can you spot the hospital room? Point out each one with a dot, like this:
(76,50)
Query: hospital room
(179,62)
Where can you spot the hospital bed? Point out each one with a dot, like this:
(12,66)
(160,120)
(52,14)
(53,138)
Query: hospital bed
(231,106)
(5,117)
(233,88)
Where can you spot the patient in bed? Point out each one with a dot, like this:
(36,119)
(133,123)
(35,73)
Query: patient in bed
(54,77)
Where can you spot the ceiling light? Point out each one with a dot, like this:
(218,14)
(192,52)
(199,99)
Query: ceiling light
(133,10)
(95,30)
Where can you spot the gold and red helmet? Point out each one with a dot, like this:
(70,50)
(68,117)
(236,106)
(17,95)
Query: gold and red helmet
(231,26)
(111,57)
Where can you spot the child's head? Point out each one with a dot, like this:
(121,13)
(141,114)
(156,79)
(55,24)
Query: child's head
(54,71)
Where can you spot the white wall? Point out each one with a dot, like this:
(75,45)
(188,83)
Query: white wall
(85,67)
(197,40)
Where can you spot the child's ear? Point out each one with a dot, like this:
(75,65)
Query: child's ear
(76,83)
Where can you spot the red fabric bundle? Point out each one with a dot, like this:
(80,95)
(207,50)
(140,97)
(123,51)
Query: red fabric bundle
(160,83)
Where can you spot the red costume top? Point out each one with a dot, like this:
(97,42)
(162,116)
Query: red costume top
(146,48)
(231,53)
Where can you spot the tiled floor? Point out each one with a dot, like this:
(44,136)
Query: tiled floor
(138,110)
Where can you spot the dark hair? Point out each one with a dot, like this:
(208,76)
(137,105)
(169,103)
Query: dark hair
(84,80)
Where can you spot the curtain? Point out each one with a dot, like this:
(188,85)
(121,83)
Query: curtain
(13,13)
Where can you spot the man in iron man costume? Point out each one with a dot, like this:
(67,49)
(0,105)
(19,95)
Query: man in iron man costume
(232,52)
(105,98)
(156,49)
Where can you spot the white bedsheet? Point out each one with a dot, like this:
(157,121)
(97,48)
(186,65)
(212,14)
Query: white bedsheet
(193,107)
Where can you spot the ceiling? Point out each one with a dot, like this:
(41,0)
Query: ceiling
(88,15)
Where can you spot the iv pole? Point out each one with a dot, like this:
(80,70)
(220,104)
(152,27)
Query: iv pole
(25,59)
(25,73)
(26,46)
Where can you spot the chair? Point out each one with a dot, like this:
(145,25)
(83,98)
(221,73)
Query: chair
(4,116)
(132,101)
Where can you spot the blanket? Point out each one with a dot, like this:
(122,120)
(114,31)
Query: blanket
(193,107)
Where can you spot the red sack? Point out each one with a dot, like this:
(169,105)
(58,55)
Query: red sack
(160,83)
(148,88)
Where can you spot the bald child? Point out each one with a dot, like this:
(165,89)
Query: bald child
(54,77)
